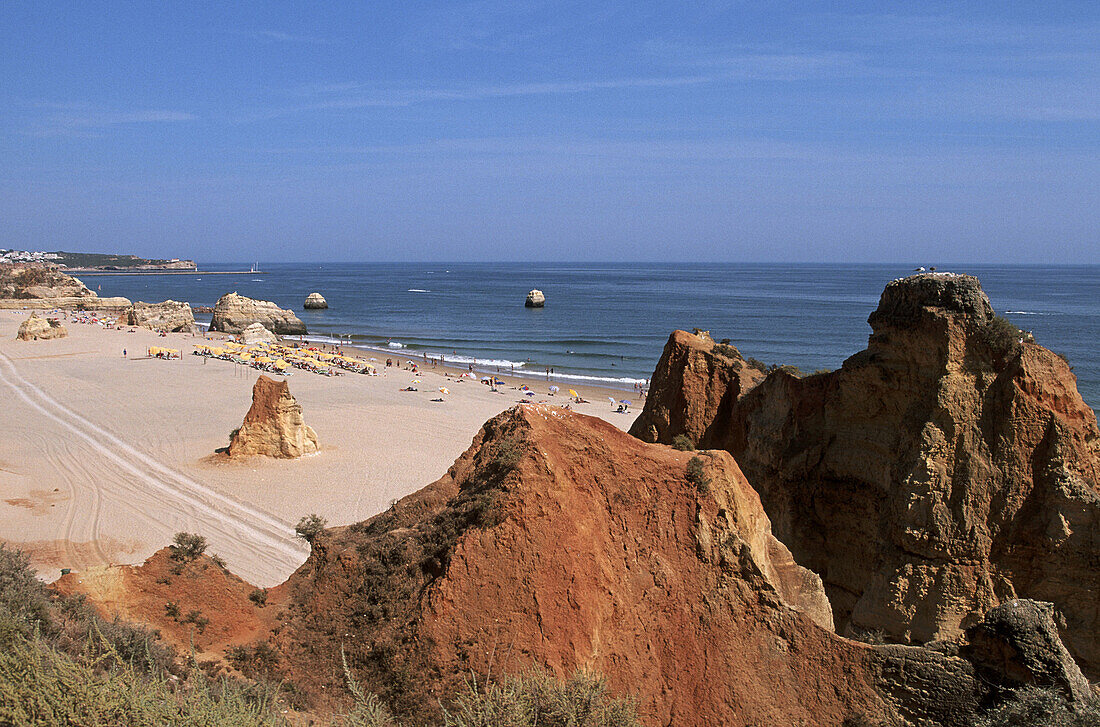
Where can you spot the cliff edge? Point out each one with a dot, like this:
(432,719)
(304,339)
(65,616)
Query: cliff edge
(949,467)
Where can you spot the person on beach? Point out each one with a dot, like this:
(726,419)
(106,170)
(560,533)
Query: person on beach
(124,353)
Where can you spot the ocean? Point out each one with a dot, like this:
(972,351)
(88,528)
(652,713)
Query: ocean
(607,323)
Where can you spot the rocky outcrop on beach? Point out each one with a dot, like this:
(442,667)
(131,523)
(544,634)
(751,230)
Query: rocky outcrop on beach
(273,426)
(43,286)
(535,299)
(36,328)
(948,468)
(256,333)
(233,313)
(315,301)
(168,317)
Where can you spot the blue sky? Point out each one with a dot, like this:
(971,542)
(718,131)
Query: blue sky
(703,131)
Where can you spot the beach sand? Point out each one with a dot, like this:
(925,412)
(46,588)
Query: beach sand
(105,458)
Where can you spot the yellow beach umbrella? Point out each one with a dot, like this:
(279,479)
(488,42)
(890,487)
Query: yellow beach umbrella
(573,393)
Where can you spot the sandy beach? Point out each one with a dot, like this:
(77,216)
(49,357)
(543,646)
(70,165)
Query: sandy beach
(106,457)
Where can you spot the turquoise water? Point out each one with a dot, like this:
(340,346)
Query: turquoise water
(608,323)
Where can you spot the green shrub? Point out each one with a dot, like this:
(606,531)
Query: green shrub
(1037,707)
(172,610)
(755,363)
(309,527)
(258,661)
(787,369)
(539,699)
(696,475)
(258,597)
(196,617)
(187,547)
(507,454)
(683,443)
(1002,337)
(22,596)
(726,350)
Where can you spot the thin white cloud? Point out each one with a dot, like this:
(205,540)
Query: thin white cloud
(280,36)
(82,120)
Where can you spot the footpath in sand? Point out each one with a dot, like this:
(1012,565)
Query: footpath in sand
(105,458)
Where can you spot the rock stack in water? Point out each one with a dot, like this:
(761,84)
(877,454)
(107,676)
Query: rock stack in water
(273,426)
(315,301)
(948,468)
(168,317)
(41,329)
(233,313)
(535,299)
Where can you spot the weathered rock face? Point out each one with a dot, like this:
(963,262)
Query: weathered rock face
(25,285)
(168,317)
(256,333)
(1017,644)
(41,329)
(696,384)
(944,470)
(560,540)
(315,301)
(233,313)
(273,426)
(535,299)
(556,539)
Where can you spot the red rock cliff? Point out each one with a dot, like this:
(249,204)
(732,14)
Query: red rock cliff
(945,469)
(558,539)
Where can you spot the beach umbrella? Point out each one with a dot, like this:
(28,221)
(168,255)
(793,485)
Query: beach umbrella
(553,389)
(625,401)
(486,378)
(612,400)
(529,393)
(416,381)
(574,394)
(443,390)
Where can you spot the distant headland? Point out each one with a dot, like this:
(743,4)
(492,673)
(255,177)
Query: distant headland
(93,263)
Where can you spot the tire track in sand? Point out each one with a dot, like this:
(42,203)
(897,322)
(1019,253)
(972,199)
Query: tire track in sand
(256,536)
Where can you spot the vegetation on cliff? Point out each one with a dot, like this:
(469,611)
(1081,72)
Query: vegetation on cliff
(60,663)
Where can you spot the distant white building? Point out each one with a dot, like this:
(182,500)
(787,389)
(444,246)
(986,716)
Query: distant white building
(26,256)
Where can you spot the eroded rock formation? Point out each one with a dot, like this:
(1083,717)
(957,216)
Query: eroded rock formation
(274,426)
(36,328)
(696,384)
(168,317)
(946,469)
(233,313)
(256,333)
(558,540)
(535,299)
(43,286)
(315,301)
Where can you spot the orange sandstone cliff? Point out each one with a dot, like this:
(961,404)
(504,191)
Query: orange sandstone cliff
(949,467)
(558,540)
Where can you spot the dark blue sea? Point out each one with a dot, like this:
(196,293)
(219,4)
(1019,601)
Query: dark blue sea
(607,323)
